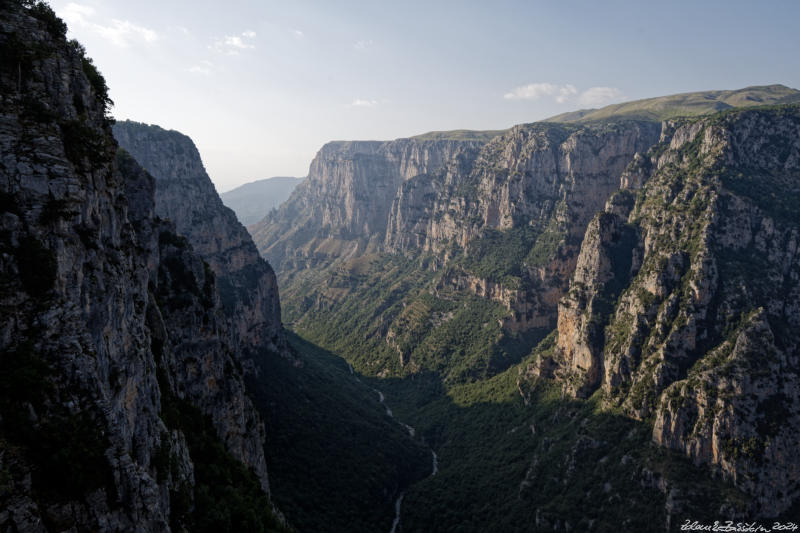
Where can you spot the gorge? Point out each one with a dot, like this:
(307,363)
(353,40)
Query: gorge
(588,323)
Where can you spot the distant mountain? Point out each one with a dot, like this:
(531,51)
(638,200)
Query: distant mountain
(252,201)
(686,104)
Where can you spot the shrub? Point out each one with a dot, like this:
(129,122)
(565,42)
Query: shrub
(40,10)
(83,143)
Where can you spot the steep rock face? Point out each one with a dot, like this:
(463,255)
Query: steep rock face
(541,180)
(186,196)
(500,220)
(100,342)
(520,178)
(341,208)
(704,337)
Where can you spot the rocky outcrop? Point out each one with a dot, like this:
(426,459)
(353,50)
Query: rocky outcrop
(604,267)
(704,335)
(118,378)
(739,411)
(185,195)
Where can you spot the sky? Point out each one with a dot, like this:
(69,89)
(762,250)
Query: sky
(260,86)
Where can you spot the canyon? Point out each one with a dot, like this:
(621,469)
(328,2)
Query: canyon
(587,323)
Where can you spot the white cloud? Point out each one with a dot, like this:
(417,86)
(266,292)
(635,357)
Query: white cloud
(233,44)
(298,34)
(363,44)
(534,91)
(592,97)
(76,13)
(564,93)
(359,102)
(597,96)
(204,67)
(120,32)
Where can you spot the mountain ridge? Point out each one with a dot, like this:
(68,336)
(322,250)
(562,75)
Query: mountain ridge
(686,104)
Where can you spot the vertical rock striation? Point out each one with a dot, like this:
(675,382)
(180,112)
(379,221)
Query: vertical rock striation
(341,208)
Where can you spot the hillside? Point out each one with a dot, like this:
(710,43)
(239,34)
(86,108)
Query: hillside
(146,381)
(686,104)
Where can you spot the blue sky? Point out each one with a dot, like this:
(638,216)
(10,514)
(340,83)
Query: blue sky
(261,85)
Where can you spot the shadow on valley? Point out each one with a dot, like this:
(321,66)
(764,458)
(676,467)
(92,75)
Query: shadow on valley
(338,460)
(552,465)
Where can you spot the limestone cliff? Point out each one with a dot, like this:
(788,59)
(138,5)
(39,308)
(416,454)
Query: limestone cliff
(543,182)
(701,331)
(122,404)
(341,208)
(459,202)
(521,178)
(185,195)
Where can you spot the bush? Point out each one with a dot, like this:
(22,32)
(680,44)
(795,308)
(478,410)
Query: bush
(97,81)
(40,10)
(83,143)
(54,210)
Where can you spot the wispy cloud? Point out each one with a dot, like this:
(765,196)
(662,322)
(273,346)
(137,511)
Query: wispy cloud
(298,34)
(76,13)
(363,44)
(535,91)
(596,96)
(359,102)
(205,68)
(593,96)
(119,32)
(233,44)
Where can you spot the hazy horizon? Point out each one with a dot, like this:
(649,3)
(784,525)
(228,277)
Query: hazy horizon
(260,87)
